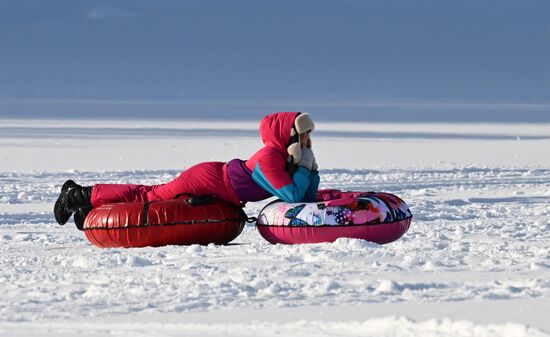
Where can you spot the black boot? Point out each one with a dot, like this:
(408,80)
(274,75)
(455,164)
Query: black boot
(80,216)
(71,198)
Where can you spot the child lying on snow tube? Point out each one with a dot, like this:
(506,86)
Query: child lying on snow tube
(285,167)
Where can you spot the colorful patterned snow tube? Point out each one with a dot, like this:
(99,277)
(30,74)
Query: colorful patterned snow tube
(376,217)
(160,223)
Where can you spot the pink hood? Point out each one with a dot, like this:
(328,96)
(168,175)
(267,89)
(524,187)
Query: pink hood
(275,129)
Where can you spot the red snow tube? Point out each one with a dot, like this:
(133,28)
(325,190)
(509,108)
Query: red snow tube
(376,217)
(161,223)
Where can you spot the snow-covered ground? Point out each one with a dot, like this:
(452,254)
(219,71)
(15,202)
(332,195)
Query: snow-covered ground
(475,262)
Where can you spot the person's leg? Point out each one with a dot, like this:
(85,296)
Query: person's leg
(112,193)
(74,198)
(201,179)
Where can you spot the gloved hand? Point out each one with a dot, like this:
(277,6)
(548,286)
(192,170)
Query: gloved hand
(307,158)
(314,166)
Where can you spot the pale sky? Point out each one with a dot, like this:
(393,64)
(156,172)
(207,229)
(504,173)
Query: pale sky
(350,56)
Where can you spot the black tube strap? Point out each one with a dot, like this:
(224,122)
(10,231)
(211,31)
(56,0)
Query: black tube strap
(145,214)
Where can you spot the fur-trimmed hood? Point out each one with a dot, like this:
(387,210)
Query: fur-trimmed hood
(281,130)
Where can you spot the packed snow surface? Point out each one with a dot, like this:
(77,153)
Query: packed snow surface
(475,262)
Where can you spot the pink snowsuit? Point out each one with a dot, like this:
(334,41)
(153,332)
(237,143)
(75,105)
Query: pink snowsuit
(262,176)
(202,179)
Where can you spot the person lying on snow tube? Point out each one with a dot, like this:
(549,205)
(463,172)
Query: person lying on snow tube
(285,167)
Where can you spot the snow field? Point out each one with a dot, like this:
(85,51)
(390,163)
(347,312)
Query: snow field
(479,242)
(390,326)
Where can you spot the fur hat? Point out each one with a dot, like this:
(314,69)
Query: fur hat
(303,123)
